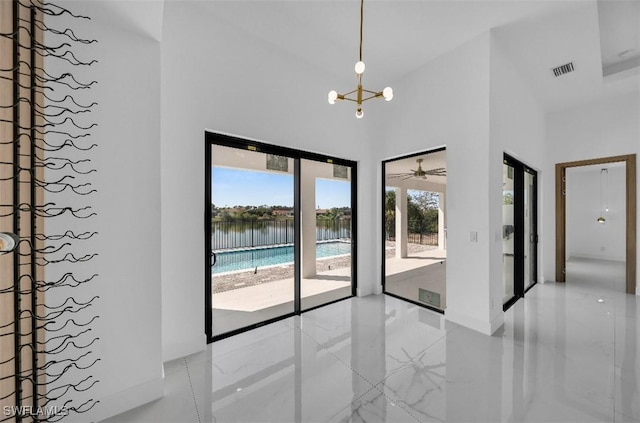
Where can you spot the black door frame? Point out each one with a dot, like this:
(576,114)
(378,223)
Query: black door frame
(519,285)
(383,273)
(226,140)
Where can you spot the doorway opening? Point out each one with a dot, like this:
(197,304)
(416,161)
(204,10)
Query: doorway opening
(629,162)
(414,228)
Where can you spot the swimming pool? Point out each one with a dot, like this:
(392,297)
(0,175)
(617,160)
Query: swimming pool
(228,261)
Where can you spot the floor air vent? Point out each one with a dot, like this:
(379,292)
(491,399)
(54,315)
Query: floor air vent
(561,70)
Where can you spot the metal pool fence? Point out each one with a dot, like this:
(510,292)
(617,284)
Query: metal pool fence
(417,229)
(256,233)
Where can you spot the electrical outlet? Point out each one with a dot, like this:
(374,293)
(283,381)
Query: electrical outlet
(473,236)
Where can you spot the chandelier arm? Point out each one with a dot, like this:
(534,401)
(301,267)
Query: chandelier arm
(373,96)
(350,99)
(350,92)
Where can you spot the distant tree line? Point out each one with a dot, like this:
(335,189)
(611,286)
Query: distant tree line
(422,208)
(335,213)
(243,213)
(264,212)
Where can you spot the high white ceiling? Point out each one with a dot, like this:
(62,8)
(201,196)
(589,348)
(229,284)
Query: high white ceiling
(401,36)
(619,35)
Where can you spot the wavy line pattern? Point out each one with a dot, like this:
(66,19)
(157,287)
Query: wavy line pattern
(53,343)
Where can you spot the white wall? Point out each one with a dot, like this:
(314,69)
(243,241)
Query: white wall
(447,103)
(128,220)
(585,236)
(517,128)
(607,128)
(473,101)
(217,77)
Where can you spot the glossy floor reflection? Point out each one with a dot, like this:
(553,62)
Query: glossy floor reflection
(562,356)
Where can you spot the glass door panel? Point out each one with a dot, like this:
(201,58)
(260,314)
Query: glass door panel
(508,231)
(414,213)
(252,237)
(530,230)
(520,239)
(326,221)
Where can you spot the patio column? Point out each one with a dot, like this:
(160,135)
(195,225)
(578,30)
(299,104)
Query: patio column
(442,221)
(308,222)
(401,222)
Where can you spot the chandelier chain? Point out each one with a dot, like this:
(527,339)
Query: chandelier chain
(361,23)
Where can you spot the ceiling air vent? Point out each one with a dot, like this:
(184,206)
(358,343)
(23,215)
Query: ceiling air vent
(563,69)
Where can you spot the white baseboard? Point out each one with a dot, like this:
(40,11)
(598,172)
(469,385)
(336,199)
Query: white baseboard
(485,327)
(126,400)
(175,350)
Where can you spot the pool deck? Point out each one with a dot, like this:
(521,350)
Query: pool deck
(259,296)
(253,304)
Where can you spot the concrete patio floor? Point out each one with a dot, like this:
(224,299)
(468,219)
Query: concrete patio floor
(424,270)
(253,304)
(257,302)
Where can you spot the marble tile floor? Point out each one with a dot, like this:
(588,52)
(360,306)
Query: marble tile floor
(562,356)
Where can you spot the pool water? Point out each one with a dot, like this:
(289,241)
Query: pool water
(229,261)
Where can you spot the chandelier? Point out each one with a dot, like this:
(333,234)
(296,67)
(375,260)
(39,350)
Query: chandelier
(360,95)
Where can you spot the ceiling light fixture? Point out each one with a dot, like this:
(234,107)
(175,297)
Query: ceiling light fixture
(358,95)
(604,173)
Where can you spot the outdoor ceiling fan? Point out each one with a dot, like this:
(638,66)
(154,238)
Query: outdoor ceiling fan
(419,172)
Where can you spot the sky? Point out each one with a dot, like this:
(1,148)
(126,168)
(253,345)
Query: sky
(234,187)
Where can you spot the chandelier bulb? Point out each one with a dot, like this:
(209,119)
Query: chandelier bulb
(359,67)
(387,93)
(359,113)
(333,95)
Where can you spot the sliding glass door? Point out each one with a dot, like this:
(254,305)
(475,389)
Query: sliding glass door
(508,232)
(279,233)
(252,233)
(530,227)
(326,213)
(519,230)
